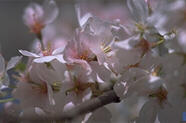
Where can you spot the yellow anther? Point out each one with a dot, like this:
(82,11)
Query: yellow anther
(157,71)
(106,49)
(56,86)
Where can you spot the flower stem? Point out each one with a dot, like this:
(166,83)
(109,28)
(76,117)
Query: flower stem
(39,36)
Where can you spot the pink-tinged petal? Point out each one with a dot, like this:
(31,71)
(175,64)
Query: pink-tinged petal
(44,59)
(84,64)
(33,14)
(71,50)
(84,19)
(13,61)
(92,42)
(29,54)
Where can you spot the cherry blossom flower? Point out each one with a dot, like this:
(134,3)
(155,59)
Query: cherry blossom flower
(77,51)
(36,17)
(41,86)
(78,86)
(46,55)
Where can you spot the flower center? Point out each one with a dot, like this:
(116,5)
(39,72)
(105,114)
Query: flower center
(56,86)
(79,87)
(37,26)
(160,94)
(144,45)
(157,71)
(47,52)
(40,87)
(84,56)
(87,57)
(105,49)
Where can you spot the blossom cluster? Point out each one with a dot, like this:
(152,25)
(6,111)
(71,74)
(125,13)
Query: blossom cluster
(139,51)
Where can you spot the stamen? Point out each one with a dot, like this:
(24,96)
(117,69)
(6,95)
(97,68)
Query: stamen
(40,87)
(79,87)
(157,71)
(106,49)
(56,86)
(47,52)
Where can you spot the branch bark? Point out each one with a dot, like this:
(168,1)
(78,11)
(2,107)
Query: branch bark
(85,107)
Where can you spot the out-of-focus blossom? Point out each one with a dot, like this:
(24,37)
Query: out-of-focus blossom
(37,16)
(41,86)
(4,79)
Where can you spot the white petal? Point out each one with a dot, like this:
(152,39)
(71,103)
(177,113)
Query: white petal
(68,106)
(102,115)
(101,71)
(58,50)
(29,54)
(39,111)
(148,112)
(50,95)
(82,20)
(60,58)
(44,59)
(87,95)
(13,61)
(120,89)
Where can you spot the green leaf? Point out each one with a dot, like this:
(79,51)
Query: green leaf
(6,100)
(20,67)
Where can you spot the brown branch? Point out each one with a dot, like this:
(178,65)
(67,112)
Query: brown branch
(85,107)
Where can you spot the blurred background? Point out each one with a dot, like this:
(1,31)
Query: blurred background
(15,35)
